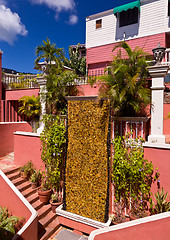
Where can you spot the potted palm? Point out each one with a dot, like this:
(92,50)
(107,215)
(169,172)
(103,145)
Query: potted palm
(55,201)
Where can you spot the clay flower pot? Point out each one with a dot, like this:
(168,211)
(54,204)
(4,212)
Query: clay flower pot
(44,195)
(24,175)
(34,185)
(54,205)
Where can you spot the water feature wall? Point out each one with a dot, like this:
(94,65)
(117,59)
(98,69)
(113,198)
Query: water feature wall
(87,162)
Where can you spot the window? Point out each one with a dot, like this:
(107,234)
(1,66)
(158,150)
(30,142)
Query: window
(128,17)
(98,23)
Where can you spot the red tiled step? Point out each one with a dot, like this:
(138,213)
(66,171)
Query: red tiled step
(48,219)
(10,170)
(44,210)
(24,186)
(14,175)
(28,192)
(18,181)
(52,228)
(37,205)
(33,197)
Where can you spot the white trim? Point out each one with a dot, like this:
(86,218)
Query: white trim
(31,134)
(2,123)
(34,214)
(129,224)
(156,145)
(81,219)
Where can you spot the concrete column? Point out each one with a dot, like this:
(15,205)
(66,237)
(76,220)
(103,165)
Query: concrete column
(43,90)
(157,72)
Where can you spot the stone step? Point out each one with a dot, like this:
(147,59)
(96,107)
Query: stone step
(46,220)
(43,211)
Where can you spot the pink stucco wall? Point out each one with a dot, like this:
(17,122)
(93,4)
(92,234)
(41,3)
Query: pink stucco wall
(16,206)
(27,148)
(104,54)
(18,93)
(166,126)
(7,136)
(87,90)
(160,158)
(155,230)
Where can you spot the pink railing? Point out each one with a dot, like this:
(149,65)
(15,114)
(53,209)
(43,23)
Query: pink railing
(9,112)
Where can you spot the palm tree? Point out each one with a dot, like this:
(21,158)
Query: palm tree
(60,82)
(30,106)
(49,53)
(125,83)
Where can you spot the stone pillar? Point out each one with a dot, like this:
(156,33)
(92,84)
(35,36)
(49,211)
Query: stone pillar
(157,72)
(42,82)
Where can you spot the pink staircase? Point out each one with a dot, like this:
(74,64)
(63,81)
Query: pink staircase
(47,220)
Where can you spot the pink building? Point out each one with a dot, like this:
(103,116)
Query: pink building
(142,23)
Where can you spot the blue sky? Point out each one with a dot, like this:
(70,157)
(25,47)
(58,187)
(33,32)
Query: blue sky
(24,24)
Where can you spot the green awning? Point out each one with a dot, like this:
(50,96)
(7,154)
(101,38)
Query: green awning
(127,6)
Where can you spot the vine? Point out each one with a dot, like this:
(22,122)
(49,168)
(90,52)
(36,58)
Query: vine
(53,144)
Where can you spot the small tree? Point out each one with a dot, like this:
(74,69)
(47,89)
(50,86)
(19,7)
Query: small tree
(125,82)
(77,63)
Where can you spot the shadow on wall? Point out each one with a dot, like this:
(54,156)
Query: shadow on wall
(126,32)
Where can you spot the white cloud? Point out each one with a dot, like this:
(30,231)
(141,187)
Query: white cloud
(73,19)
(10,25)
(57,5)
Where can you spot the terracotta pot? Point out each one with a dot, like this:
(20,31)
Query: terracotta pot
(54,205)
(44,196)
(24,175)
(34,185)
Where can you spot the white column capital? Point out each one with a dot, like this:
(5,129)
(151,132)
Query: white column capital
(157,71)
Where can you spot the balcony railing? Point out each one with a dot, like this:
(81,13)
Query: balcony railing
(16,81)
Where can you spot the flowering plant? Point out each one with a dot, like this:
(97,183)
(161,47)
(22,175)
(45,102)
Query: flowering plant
(53,144)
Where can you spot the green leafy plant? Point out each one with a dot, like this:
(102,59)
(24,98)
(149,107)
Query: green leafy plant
(28,168)
(35,177)
(53,144)
(7,224)
(132,174)
(30,106)
(55,198)
(162,205)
